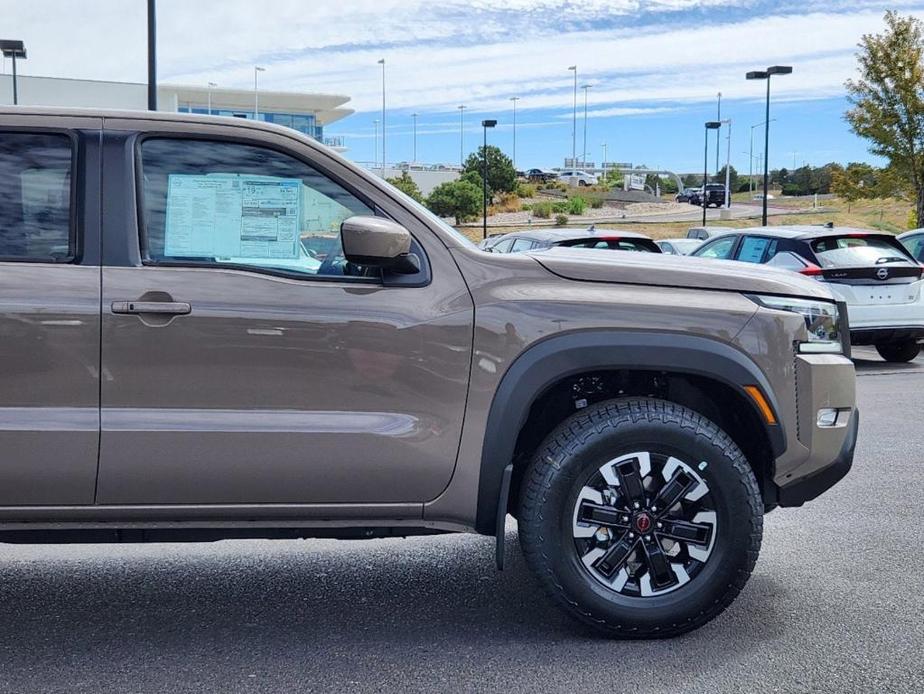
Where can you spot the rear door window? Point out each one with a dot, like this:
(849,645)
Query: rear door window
(521,245)
(36,197)
(756,249)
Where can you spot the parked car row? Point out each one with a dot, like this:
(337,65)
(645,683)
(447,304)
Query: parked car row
(715,195)
(876,275)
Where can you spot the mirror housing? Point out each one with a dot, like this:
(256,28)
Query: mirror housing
(378,242)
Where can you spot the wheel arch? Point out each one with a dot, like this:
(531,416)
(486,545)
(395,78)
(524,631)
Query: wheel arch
(555,360)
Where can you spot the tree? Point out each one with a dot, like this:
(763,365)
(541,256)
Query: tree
(732,177)
(459,199)
(888,99)
(502,177)
(406,185)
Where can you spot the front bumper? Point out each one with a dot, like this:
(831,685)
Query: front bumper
(807,488)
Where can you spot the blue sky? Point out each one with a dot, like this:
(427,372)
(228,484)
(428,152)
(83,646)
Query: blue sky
(654,67)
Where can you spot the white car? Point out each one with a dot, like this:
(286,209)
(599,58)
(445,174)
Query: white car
(874,274)
(577,178)
(679,246)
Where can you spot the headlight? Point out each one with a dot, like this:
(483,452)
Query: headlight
(822,321)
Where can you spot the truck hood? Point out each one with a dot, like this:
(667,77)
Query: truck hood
(657,269)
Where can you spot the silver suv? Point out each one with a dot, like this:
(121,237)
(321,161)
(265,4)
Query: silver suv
(213,328)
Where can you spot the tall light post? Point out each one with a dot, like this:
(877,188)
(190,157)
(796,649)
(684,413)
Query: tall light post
(514,99)
(710,125)
(604,163)
(751,157)
(212,85)
(585,87)
(375,144)
(485,124)
(14,50)
(414,116)
(461,135)
(382,63)
(573,68)
(152,56)
(766,75)
(718,117)
(256,94)
(728,164)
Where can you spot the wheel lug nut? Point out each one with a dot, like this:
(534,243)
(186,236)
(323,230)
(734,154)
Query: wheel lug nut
(647,538)
(654,509)
(637,504)
(625,519)
(660,525)
(631,534)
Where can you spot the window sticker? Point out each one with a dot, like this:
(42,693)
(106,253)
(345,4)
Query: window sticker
(232,215)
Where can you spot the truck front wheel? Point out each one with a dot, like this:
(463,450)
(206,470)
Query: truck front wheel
(641,518)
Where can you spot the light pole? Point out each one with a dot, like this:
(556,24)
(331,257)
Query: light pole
(382,63)
(751,157)
(765,75)
(514,99)
(485,124)
(573,68)
(728,165)
(585,87)
(718,117)
(461,136)
(604,163)
(710,125)
(375,144)
(256,98)
(14,50)
(152,56)
(414,116)
(212,85)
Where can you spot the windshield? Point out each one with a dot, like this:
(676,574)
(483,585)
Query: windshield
(847,251)
(643,245)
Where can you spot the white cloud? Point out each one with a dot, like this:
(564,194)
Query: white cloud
(474,52)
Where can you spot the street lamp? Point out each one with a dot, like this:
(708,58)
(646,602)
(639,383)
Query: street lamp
(484,188)
(382,63)
(710,125)
(375,144)
(414,116)
(573,68)
(152,56)
(514,99)
(256,98)
(585,87)
(212,85)
(765,75)
(751,159)
(604,163)
(718,117)
(14,50)
(461,136)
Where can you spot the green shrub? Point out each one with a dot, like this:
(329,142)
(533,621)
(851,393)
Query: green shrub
(543,210)
(596,203)
(560,206)
(526,207)
(576,205)
(526,190)
(561,220)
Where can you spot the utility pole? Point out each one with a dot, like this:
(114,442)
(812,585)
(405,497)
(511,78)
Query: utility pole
(574,122)
(585,87)
(514,99)
(152,56)
(718,117)
(382,63)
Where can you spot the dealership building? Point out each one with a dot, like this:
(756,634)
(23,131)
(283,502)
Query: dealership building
(306,112)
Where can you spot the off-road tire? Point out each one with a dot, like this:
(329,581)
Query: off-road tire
(590,438)
(899,351)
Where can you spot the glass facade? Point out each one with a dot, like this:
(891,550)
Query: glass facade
(304,123)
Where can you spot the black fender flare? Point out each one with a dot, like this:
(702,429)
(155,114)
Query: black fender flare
(547,362)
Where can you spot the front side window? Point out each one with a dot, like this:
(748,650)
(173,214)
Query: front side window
(234,204)
(720,249)
(35,197)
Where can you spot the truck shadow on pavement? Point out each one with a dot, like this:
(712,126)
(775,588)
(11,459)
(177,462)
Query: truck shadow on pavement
(315,609)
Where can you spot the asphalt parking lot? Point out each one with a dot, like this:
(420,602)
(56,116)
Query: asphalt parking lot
(836,604)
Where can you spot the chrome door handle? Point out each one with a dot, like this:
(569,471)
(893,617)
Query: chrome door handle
(172,308)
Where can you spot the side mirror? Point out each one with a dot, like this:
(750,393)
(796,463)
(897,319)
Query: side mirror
(377,242)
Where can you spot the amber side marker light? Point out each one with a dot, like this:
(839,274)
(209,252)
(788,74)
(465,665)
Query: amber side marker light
(761,403)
